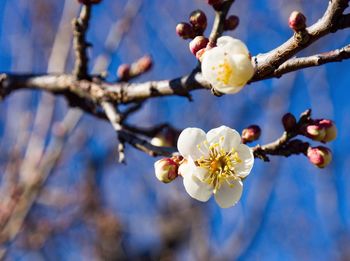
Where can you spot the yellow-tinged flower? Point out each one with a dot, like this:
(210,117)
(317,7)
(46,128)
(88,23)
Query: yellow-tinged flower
(227,67)
(214,163)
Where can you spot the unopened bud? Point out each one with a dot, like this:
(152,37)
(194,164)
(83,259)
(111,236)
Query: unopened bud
(185,30)
(315,132)
(297,21)
(231,23)
(124,72)
(198,19)
(251,133)
(144,64)
(319,156)
(330,129)
(167,137)
(198,43)
(87,2)
(214,2)
(166,170)
(289,122)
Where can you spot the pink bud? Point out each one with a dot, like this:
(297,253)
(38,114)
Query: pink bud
(198,43)
(145,63)
(231,23)
(87,2)
(198,19)
(200,53)
(289,122)
(166,170)
(214,2)
(124,72)
(315,132)
(185,30)
(330,128)
(319,156)
(251,133)
(297,21)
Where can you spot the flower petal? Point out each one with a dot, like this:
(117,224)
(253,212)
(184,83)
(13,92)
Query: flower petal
(246,155)
(190,168)
(188,142)
(244,69)
(197,189)
(232,45)
(227,196)
(231,138)
(218,68)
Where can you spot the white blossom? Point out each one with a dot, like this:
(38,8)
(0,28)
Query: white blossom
(227,67)
(214,163)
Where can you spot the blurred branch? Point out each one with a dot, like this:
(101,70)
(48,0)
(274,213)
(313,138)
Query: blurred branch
(81,24)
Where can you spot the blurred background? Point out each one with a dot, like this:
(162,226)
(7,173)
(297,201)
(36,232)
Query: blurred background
(73,201)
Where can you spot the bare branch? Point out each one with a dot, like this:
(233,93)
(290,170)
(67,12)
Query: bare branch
(295,64)
(81,25)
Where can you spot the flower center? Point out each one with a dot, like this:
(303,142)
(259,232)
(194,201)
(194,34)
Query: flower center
(224,72)
(220,165)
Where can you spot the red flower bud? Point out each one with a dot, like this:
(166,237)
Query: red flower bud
(319,156)
(198,19)
(166,170)
(198,43)
(231,23)
(251,133)
(214,2)
(144,63)
(124,72)
(330,129)
(185,30)
(289,122)
(87,2)
(297,21)
(315,132)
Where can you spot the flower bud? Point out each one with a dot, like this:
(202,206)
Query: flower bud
(87,2)
(319,156)
(166,170)
(124,72)
(198,19)
(251,133)
(315,132)
(198,43)
(231,23)
(184,30)
(297,21)
(214,2)
(289,122)
(330,129)
(144,64)
(167,137)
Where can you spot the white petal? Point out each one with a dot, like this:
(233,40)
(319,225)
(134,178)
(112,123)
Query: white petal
(190,168)
(200,173)
(218,68)
(231,138)
(227,196)
(197,189)
(232,45)
(246,155)
(188,142)
(244,67)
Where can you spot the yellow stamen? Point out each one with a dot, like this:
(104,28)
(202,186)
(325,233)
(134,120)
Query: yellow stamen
(220,165)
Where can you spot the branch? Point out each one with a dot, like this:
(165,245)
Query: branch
(295,64)
(218,26)
(81,24)
(329,23)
